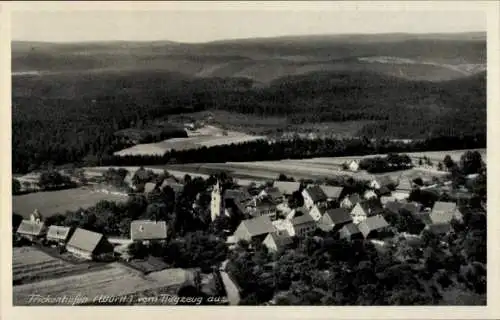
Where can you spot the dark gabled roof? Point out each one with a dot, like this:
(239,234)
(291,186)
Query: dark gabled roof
(258,226)
(85,240)
(371,206)
(31,228)
(316,193)
(385,180)
(384,190)
(336,216)
(273,192)
(281,239)
(302,219)
(148,230)
(354,198)
(58,232)
(332,192)
(287,187)
(236,194)
(371,224)
(349,230)
(393,206)
(412,207)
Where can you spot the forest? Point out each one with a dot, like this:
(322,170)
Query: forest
(57,119)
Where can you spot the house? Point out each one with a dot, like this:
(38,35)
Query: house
(149,187)
(32,230)
(58,234)
(383,191)
(314,195)
(332,193)
(353,165)
(302,225)
(296,212)
(334,219)
(369,194)
(287,188)
(277,241)
(393,206)
(404,185)
(263,207)
(273,193)
(350,201)
(147,230)
(400,195)
(255,228)
(365,209)
(374,227)
(89,245)
(317,212)
(350,232)
(444,212)
(378,182)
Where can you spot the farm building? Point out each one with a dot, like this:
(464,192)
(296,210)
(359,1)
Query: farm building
(386,199)
(350,232)
(365,209)
(146,230)
(350,201)
(149,187)
(444,212)
(276,241)
(287,188)
(317,212)
(256,228)
(89,245)
(59,234)
(32,230)
(332,193)
(353,165)
(379,182)
(314,195)
(273,193)
(374,227)
(263,207)
(302,225)
(334,219)
(369,194)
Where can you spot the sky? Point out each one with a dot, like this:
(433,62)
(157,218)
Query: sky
(203,22)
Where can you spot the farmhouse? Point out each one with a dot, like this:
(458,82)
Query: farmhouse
(149,187)
(32,230)
(263,207)
(374,227)
(379,182)
(313,195)
(302,225)
(386,199)
(369,194)
(59,234)
(334,219)
(256,228)
(350,232)
(89,245)
(353,165)
(287,188)
(277,241)
(443,213)
(332,193)
(350,201)
(272,193)
(365,209)
(147,230)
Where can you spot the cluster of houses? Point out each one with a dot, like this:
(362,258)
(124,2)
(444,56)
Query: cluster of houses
(328,208)
(89,245)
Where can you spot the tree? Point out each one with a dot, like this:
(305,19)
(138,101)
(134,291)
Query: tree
(16,186)
(471,162)
(448,162)
(51,179)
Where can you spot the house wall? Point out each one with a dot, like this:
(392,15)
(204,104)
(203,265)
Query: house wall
(241,233)
(358,214)
(315,213)
(79,253)
(308,202)
(270,244)
(305,229)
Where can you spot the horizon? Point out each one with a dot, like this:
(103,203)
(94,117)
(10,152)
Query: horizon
(482,32)
(198,26)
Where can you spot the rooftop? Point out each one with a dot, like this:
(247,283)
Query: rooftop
(148,230)
(85,240)
(316,193)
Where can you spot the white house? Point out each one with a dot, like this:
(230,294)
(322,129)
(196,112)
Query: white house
(353,165)
(314,195)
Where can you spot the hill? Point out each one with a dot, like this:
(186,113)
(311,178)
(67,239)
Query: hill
(416,57)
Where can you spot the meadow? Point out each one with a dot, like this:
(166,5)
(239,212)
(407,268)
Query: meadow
(52,202)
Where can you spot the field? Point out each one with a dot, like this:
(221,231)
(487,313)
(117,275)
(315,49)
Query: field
(312,168)
(207,137)
(30,265)
(52,202)
(115,281)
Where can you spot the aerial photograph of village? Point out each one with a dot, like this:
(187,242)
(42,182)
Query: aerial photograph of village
(194,158)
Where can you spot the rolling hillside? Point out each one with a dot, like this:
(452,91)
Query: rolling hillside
(415,57)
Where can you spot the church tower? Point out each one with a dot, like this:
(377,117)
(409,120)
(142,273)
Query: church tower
(216,205)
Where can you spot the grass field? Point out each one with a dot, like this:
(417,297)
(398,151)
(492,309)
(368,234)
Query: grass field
(30,265)
(115,281)
(52,202)
(207,137)
(312,168)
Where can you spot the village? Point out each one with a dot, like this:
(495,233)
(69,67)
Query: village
(277,215)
